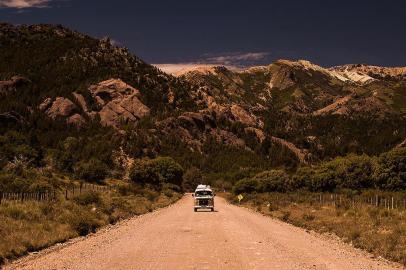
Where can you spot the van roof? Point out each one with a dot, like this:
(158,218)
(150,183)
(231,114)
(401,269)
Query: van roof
(203,187)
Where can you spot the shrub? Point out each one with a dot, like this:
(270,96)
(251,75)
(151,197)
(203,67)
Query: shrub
(246,185)
(285,215)
(391,170)
(84,224)
(88,198)
(302,177)
(273,181)
(308,217)
(93,170)
(143,172)
(358,172)
(156,171)
(267,181)
(168,170)
(191,179)
(352,171)
(322,181)
(15,144)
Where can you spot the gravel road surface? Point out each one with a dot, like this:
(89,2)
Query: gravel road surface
(178,238)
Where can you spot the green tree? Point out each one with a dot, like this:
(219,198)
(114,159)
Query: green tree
(274,180)
(191,179)
(93,170)
(391,170)
(143,172)
(246,185)
(14,144)
(168,169)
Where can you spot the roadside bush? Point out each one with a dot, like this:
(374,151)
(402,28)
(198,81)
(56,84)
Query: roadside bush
(358,172)
(169,186)
(12,183)
(29,180)
(391,170)
(88,198)
(168,170)
(143,172)
(352,172)
(93,170)
(85,223)
(246,185)
(302,178)
(156,171)
(191,179)
(322,181)
(273,181)
(267,181)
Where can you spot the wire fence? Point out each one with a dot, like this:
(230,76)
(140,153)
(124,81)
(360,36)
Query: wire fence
(52,195)
(340,200)
(27,196)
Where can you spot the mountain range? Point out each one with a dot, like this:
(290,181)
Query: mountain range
(56,83)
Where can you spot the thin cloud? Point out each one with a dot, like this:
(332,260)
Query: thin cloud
(238,59)
(180,68)
(174,68)
(22,4)
(229,60)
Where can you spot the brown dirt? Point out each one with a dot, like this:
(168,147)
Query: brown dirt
(178,238)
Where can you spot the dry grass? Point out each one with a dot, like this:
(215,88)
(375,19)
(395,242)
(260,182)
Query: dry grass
(31,226)
(379,231)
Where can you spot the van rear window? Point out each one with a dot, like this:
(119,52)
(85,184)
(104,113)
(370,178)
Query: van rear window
(204,193)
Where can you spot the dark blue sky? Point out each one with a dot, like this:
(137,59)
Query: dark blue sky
(325,32)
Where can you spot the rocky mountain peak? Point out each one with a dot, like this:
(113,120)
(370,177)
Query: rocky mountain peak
(201,69)
(373,71)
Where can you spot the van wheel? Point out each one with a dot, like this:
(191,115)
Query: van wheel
(212,209)
(195,210)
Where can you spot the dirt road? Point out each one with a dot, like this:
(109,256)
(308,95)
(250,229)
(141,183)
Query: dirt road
(178,238)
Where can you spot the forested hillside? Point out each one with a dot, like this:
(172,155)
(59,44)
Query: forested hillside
(71,103)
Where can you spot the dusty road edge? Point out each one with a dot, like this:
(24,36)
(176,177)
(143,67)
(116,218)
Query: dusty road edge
(60,246)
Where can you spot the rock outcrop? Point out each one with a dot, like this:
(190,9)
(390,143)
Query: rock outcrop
(81,100)
(60,107)
(76,119)
(301,154)
(373,71)
(241,115)
(119,102)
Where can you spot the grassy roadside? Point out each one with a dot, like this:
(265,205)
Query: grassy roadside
(31,226)
(379,231)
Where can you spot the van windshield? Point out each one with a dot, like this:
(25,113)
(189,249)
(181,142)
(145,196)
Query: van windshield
(201,193)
